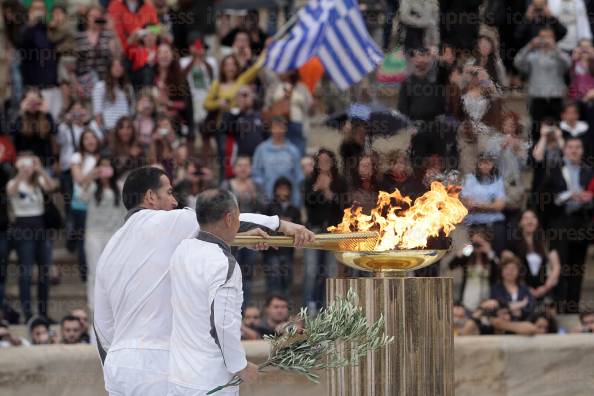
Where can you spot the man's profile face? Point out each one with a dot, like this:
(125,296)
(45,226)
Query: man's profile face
(164,195)
(278,310)
(71,331)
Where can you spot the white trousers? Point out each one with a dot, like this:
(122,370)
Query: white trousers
(178,390)
(136,372)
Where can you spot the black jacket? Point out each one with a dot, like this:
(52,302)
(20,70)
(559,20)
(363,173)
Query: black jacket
(321,212)
(424,98)
(528,29)
(247,130)
(39,62)
(555,184)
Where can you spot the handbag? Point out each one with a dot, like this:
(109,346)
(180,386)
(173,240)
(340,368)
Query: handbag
(52,218)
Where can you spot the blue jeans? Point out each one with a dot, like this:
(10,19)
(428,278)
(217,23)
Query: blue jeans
(4,250)
(33,247)
(79,220)
(319,265)
(295,135)
(247,262)
(278,268)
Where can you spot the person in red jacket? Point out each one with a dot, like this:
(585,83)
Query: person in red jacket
(131,15)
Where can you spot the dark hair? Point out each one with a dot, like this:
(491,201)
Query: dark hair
(38,322)
(138,182)
(491,65)
(69,318)
(81,147)
(282,181)
(570,103)
(571,137)
(272,297)
(223,77)
(333,169)
(552,327)
(118,146)
(374,157)
(113,184)
(515,261)
(175,81)
(583,314)
(538,244)
(213,204)
(111,83)
(492,176)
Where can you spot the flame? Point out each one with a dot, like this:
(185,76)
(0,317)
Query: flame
(405,226)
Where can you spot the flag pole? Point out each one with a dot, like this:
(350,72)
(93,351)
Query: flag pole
(286,26)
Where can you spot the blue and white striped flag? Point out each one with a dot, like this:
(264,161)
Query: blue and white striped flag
(333,30)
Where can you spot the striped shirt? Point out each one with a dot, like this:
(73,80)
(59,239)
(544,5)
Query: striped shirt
(110,111)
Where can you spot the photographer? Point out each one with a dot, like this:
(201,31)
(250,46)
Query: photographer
(547,154)
(26,196)
(479,270)
(33,129)
(545,65)
(538,15)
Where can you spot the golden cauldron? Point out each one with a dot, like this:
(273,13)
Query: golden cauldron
(355,250)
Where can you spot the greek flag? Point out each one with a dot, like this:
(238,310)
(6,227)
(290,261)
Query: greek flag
(334,31)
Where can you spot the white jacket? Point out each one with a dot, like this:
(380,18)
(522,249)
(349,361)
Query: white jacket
(205,348)
(576,22)
(132,287)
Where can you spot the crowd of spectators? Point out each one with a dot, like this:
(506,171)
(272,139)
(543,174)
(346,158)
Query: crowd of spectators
(94,91)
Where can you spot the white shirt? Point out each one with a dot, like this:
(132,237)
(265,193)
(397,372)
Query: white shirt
(28,201)
(206,298)
(132,287)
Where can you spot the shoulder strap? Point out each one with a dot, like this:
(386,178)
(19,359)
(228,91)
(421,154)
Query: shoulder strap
(71,130)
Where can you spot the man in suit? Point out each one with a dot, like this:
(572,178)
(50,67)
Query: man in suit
(571,221)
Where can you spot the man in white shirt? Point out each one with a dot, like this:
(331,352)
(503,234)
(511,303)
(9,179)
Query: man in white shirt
(132,287)
(206,299)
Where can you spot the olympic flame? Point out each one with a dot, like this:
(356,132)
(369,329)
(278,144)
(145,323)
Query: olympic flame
(402,224)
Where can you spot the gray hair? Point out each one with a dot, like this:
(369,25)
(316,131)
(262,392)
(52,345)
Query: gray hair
(213,204)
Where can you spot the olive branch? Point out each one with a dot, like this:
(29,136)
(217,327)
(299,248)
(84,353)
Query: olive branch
(339,336)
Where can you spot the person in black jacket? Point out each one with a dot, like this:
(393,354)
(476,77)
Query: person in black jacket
(570,221)
(5,172)
(278,263)
(423,93)
(538,15)
(324,197)
(244,126)
(460,23)
(34,128)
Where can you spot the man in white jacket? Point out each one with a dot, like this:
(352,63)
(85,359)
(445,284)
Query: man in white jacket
(132,313)
(206,298)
